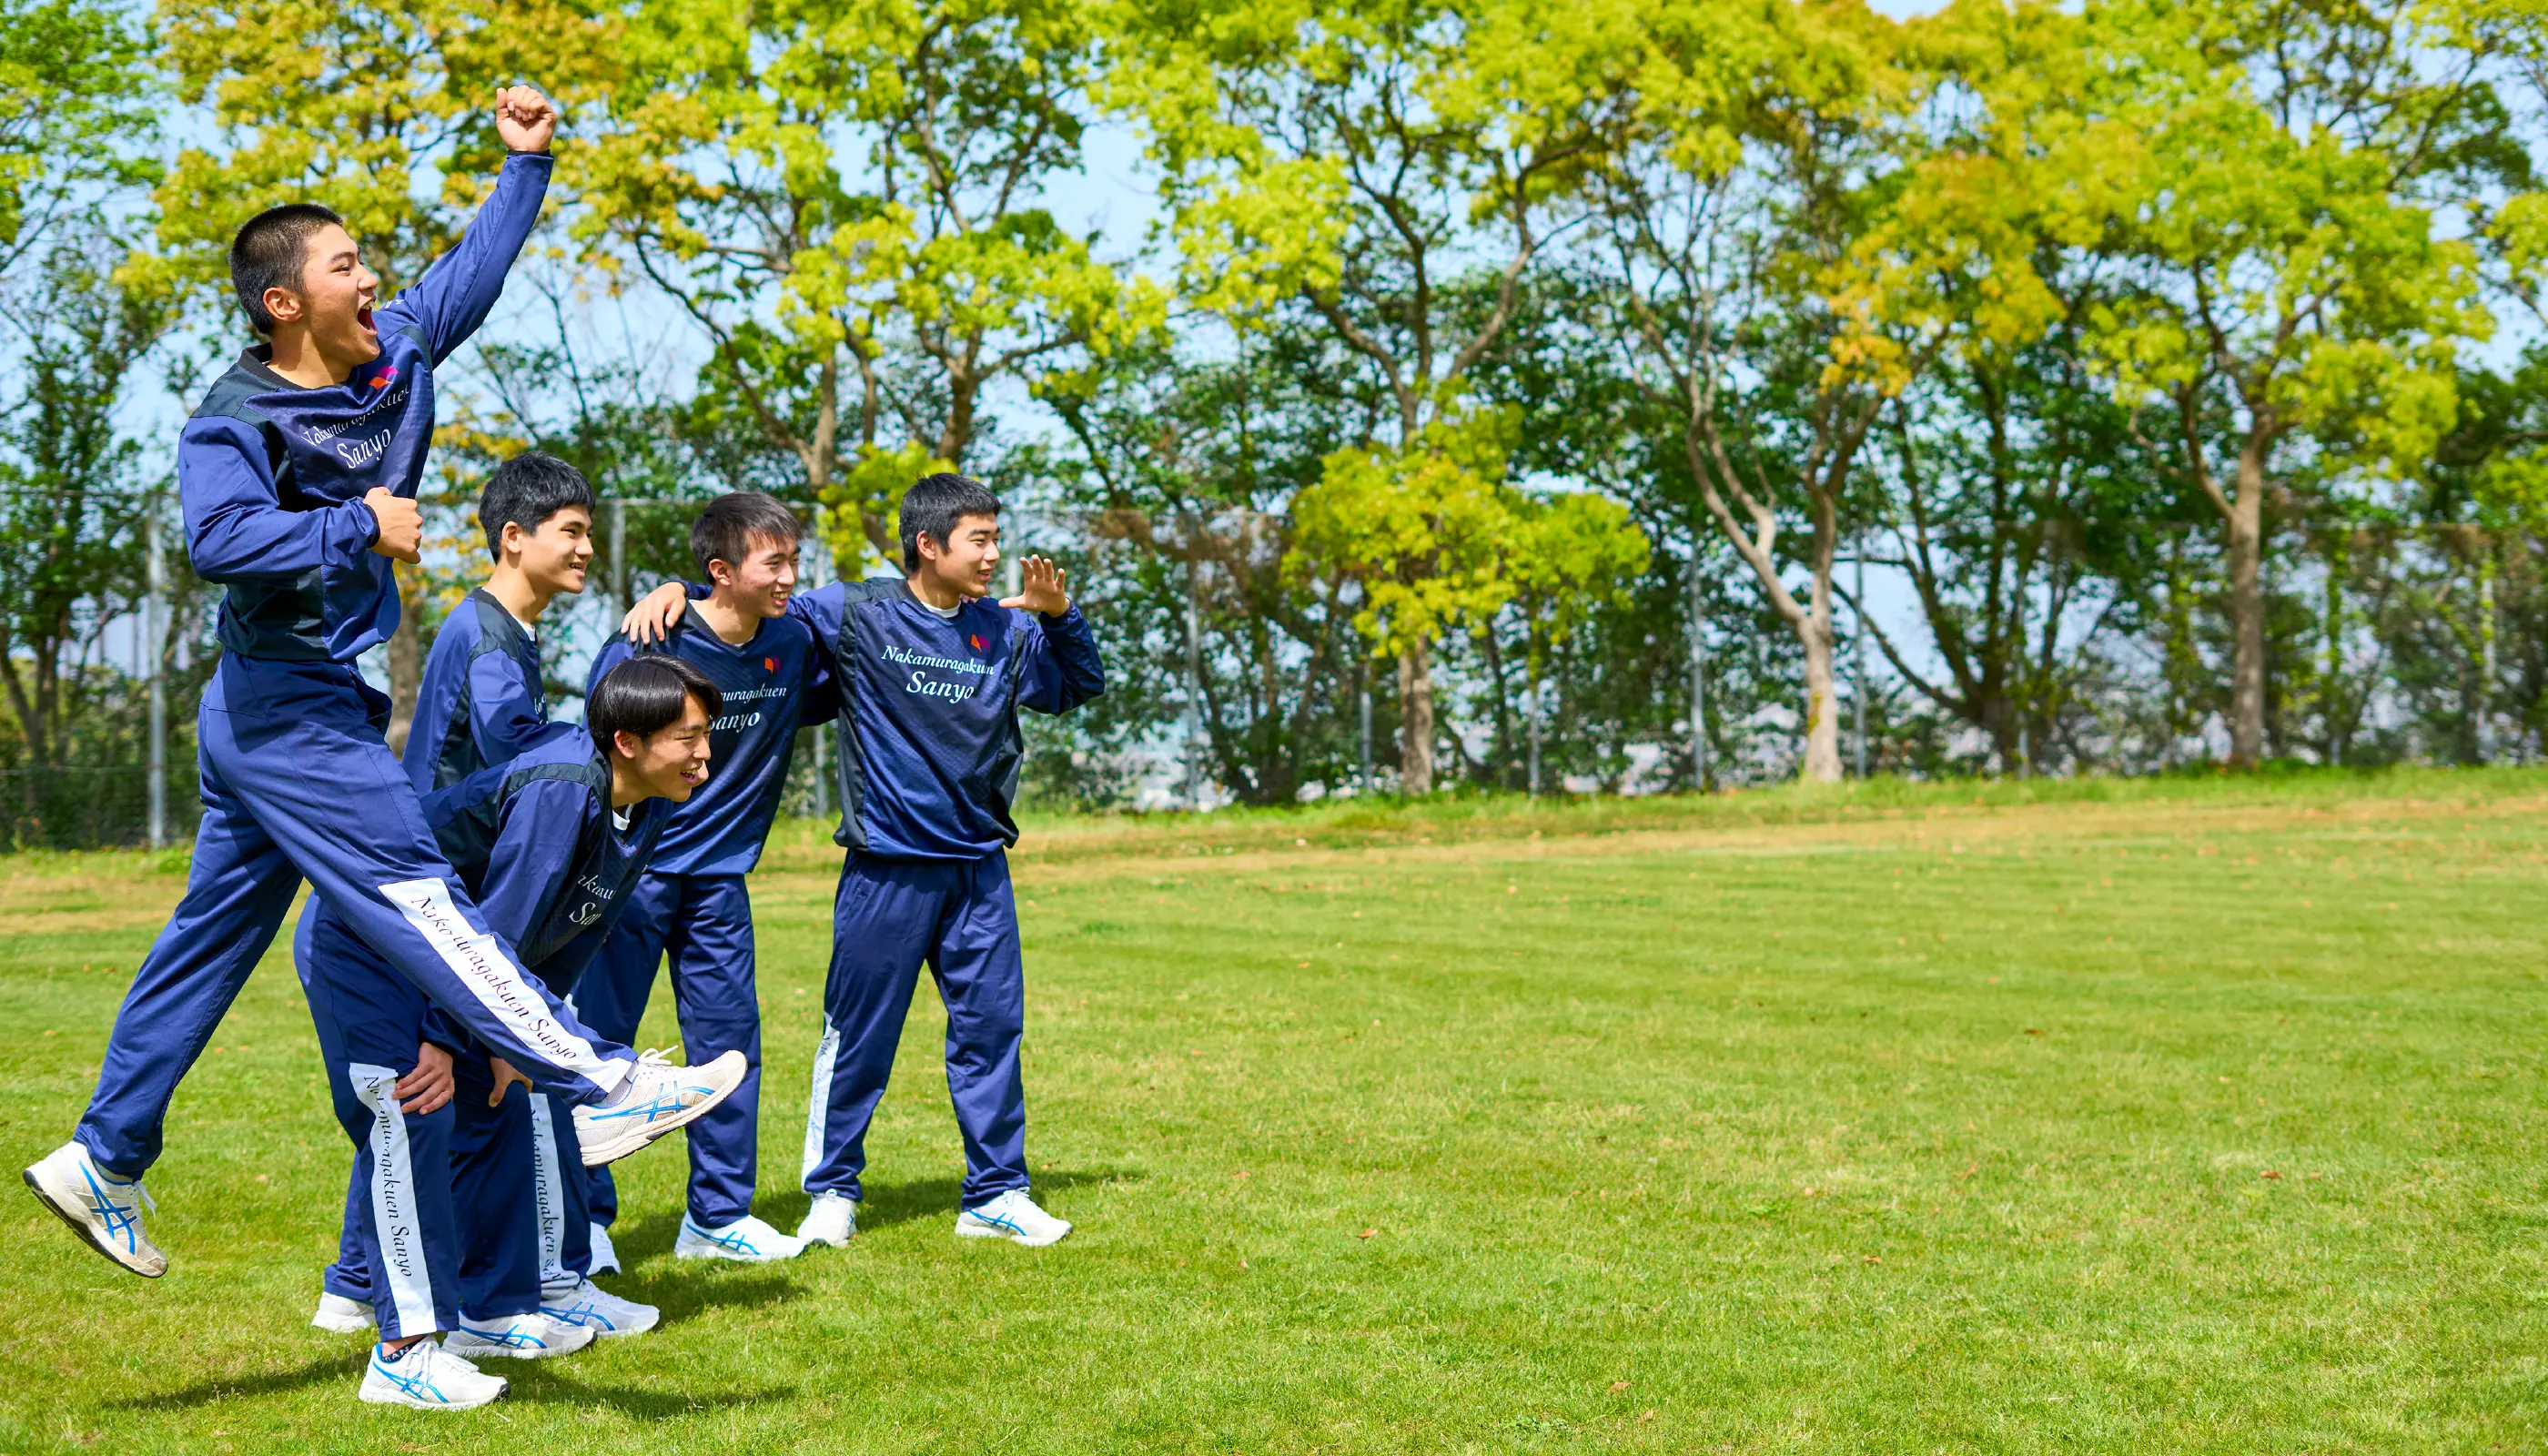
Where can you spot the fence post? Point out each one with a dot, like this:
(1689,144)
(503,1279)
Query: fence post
(1194,682)
(153,614)
(619,553)
(1698,765)
(1857,644)
(1362,708)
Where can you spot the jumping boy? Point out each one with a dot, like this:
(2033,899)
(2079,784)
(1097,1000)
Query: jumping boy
(693,902)
(931,675)
(298,477)
(481,700)
(450,1200)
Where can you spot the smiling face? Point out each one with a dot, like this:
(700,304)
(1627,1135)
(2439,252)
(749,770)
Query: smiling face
(760,584)
(671,763)
(333,305)
(964,564)
(554,558)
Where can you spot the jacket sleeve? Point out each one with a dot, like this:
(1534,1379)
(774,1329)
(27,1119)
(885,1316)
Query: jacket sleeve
(820,610)
(461,287)
(443,1030)
(235,523)
(1061,668)
(534,851)
(505,714)
(613,652)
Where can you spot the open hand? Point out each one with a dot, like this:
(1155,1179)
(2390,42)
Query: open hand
(524,120)
(651,620)
(402,533)
(504,1075)
(427,1087)
(1040,587)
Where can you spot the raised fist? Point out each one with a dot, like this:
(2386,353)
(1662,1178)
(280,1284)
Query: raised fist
(525,119)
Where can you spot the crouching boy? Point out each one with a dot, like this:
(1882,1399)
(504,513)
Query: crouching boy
(465,1201)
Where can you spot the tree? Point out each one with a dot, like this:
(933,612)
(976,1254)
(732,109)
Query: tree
(74,97)
(2015,480)
(354,106)
(2289,287)
(1351,162)
(848,200)
(72,489)
(1757,160)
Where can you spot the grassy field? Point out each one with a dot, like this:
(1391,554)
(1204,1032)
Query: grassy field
(2196,1115)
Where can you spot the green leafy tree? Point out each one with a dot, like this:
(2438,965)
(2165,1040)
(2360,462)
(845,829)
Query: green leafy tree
(75,102)
(1756,162)
(849,198)
(1356,163)
(2293,291)
(73,488)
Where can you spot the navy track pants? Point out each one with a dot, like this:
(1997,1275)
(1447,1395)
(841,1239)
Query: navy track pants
(703,924)
(888,918)
(402,1237)
(297,785)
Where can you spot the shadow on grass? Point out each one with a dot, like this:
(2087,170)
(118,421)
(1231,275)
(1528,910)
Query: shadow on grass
(225,1387)
(540,1387)
(886,1205)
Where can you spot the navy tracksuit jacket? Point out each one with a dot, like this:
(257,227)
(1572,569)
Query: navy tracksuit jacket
(296,780)
(930,751)
(480,701)
(693,905)
(534,841)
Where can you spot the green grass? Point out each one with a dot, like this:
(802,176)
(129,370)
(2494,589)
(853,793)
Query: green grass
(2196,1115)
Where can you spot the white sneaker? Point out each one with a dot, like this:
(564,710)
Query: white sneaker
(746,1240)
(832,1221)
(1012,1215)
(606,1314)
(531,1337)
(339,1315)
(654,1098)
(101,1208)
(427,1377)
(605,1260)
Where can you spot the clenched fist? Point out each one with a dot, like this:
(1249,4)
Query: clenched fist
(402,536)
(524,120)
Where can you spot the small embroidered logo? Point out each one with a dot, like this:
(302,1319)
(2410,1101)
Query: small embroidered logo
(770,665)
(383,379)
(976,640)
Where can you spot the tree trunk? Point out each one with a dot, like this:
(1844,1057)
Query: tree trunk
(2247,610)
(1822,702)
(1415,705)
(407,664)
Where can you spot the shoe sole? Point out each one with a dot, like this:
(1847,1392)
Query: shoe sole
(731,1257)
(600,1335)
(987,1231)
(508,1352)
(612,1150)
(400,1398)
(87,1235)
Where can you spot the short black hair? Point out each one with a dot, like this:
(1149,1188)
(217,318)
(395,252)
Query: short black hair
(933,504)
(725,529)
(644,695)
(271,251)
(526,491)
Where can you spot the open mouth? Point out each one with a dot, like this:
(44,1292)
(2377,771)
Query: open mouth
(363,317)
